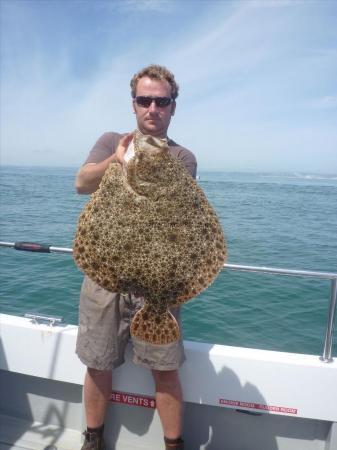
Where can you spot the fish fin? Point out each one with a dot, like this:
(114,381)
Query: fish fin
(154,328)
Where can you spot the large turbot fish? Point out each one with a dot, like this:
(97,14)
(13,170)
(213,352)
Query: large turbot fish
(150,230)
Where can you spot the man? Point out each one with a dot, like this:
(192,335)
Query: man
(101,345)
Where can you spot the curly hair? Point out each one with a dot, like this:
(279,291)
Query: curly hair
(155,72)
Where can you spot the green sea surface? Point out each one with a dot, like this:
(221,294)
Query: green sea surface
(278,220)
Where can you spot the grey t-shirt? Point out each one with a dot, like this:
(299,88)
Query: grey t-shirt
(108,142)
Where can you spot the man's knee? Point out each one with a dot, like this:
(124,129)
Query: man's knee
(166,380)
(100,380)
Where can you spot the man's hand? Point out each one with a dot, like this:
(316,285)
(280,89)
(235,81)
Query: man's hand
(122,148)
(90,175)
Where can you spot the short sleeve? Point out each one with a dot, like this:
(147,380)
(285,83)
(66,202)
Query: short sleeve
(189,161)
(185,156)
(103,148)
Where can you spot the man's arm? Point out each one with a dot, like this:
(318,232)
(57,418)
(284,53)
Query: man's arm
(91,174)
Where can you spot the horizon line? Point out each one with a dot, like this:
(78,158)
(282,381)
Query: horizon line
(200,169)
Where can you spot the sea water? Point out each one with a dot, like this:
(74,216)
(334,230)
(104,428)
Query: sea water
(279,220)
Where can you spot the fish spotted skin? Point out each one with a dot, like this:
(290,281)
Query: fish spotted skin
(150,230)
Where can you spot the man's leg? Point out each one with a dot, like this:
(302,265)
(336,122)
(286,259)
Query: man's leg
(97,387)
(169,402)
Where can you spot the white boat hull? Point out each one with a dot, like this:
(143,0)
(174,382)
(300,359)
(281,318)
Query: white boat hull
(291,398)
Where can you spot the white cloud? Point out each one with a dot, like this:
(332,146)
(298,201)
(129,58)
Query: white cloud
(326,102)
(133,6)
(162,6)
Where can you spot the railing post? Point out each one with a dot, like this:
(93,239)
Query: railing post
(327,351)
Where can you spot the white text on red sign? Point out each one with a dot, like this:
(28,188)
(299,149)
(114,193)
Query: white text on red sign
(259,406)
(132,399)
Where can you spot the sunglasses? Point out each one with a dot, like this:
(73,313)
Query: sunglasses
(145,101)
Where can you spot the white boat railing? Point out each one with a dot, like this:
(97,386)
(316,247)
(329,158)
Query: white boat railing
(327,349)
(332,276)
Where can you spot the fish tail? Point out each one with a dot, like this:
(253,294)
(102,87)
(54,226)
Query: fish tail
(154,328)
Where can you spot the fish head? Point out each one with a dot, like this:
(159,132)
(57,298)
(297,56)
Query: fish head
(150,165)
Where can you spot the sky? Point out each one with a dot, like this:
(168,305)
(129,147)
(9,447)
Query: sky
(258,79)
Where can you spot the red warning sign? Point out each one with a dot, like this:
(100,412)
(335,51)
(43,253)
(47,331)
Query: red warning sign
(132,399)
(258,406)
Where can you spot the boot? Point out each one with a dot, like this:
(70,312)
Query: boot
(174,444)
(93,441)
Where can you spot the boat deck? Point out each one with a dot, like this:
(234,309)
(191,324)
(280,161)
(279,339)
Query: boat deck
(36,435)
(227,431)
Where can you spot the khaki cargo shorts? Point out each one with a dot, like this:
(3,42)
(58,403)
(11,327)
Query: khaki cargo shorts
(104,331)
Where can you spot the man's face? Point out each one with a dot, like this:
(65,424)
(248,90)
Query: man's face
(153,120)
